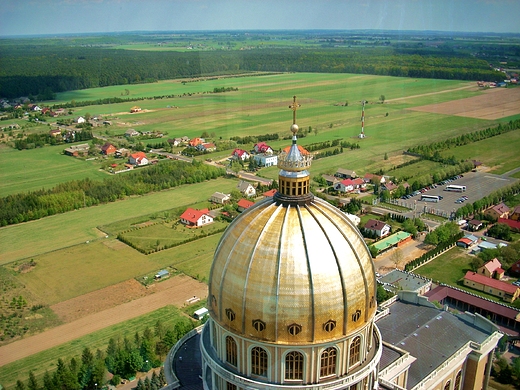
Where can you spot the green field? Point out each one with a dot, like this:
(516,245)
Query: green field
(260,106)
(60,231)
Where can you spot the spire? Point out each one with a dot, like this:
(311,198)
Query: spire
(293,176)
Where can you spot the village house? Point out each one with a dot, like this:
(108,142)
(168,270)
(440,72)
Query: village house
(196,141)
(196,218)
(467,241)
(220,198)
(515,268)
(138,159)
(55,132)
(240,154)
(262,147)
(345,185)
(515,214)
(244,204)
(108,149)
(506,291)
(266,159)
(380,228)
(389,186)
(345,173)
(209,147)
(497,211)
(246,188)
(108,123)
(514,225)
(374,179)
(79,120)
(77,150)
(135,109)
(492,269)
(131,133)
(122,152)
(474,225)
(331,180)
(270,193)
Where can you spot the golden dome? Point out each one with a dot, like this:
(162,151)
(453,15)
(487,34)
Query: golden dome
(292,274)
(292,269)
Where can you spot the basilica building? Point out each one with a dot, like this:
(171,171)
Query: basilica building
(292,305)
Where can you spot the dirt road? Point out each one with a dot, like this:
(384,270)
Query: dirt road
(175,292)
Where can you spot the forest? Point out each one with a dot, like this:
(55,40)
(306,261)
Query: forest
(40,71)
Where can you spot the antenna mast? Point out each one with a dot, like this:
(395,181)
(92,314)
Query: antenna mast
(362,135)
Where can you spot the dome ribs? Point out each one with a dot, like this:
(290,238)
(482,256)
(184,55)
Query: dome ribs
(266,227)
(341,276)
(311,283)
(354,251)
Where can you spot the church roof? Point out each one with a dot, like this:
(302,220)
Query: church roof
(429,334)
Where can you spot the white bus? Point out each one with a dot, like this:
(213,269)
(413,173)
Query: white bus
(430,198)
(455,188)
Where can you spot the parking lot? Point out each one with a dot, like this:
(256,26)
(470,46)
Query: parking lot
(478,185)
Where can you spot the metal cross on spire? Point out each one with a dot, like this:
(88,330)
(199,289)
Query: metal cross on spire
(294,106)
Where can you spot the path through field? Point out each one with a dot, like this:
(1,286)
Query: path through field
(175,292)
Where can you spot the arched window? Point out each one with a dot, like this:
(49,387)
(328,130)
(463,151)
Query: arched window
(259,361)
(458,380)
(355,349)
(230,386)
(294,365)
(447,385)
(328,362)
(231,351)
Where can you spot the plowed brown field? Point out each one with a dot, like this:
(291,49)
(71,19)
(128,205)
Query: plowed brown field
(174,291)
(492,104)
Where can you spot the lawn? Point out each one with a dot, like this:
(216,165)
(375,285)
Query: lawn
(448,268)
(166,235)
(46,360)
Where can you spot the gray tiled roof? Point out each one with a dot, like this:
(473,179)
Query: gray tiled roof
(430,335)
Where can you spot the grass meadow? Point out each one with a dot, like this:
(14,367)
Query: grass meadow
(49,234)
(260,106)
(46,360)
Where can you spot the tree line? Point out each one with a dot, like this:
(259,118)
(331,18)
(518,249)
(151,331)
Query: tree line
(432,151)
(123,358)
(45,70)
(76,194)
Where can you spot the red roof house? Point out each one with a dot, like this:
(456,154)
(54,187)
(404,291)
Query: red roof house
(240,154)
(492,269)
(515,225)
(269,193)
(262,147)
(108,149)
(498,211)
(244,204)
(195,218)
(506,291)
(379,227)
(138,159)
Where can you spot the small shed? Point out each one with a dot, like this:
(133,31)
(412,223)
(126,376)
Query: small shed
(161,274)
(199,314)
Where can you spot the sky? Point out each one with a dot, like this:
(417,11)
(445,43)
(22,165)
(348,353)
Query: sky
(34,17)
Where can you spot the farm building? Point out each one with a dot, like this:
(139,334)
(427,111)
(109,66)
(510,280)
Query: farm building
(77,150)
(345,173)
(135,109)
(162,274)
